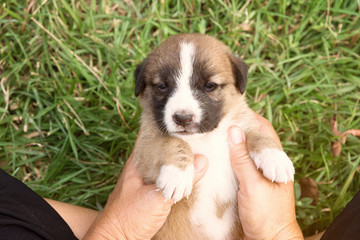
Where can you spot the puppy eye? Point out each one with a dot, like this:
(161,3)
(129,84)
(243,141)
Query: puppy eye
(161,87)
(210,86)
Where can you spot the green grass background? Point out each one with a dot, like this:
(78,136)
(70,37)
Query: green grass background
(69,117)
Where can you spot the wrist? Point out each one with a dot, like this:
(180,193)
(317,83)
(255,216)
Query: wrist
(290,232)
(102,229)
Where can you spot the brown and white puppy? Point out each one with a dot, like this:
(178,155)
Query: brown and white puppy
(192,89)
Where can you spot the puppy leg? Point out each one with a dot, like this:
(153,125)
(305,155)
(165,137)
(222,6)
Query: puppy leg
(269,156)
(166,161)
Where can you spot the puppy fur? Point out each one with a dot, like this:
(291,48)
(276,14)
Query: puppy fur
(192,89)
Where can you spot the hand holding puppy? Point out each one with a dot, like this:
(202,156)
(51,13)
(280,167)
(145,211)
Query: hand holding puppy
(266,208)
(136,211)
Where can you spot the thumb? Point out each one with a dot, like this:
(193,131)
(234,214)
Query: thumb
(243,166)
(201,164)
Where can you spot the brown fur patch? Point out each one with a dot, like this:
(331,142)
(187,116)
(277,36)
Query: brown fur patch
(257,142)
(237,232)
(221,207)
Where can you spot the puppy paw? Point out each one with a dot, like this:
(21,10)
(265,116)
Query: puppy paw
(275,164)
(175,183)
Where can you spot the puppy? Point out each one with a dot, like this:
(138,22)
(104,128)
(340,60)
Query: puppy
(191,89)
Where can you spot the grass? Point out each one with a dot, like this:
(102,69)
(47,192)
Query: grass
(69,117)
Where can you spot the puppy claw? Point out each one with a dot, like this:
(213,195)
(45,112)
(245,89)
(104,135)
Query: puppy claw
(275,164)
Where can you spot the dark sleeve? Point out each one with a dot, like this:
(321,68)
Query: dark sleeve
(347,225)
(26,215)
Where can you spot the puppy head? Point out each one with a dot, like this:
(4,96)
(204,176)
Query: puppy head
(189,83)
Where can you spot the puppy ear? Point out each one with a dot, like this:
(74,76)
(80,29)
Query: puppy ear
(239,69)
(139,78)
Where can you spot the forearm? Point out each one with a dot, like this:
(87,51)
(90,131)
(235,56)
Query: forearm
(78,218)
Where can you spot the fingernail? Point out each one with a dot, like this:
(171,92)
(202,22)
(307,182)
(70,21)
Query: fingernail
(236,135)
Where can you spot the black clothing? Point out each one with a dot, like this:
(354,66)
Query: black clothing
(26,215)
(347,225)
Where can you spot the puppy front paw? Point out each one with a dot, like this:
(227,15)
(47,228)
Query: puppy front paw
(174,182)
(275,164)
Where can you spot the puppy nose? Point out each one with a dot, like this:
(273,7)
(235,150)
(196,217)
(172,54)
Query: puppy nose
(183,119)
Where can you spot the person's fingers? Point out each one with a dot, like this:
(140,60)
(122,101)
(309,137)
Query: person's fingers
(155,198)
(130,173)
(201,164)
(266,128)
(243,166)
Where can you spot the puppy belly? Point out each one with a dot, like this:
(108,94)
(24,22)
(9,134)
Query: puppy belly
(214,211)
(214,220)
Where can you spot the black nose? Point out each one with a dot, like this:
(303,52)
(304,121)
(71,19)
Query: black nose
(183,119)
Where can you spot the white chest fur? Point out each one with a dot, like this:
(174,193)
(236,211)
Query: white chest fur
(218,186)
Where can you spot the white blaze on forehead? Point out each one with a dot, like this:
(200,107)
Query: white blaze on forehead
(182,100)
(187,52)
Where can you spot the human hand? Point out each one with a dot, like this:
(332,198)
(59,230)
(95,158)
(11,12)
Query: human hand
(266,209)
(135,210)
